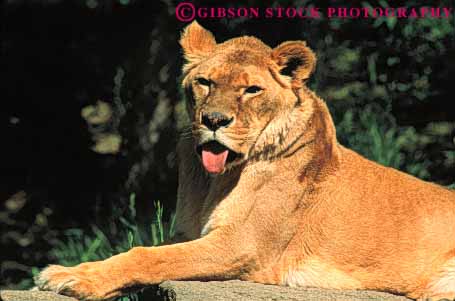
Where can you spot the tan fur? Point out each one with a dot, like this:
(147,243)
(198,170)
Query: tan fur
(297,209)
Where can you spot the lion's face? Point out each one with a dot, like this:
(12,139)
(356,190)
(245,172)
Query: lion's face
(233,97)
(235,89)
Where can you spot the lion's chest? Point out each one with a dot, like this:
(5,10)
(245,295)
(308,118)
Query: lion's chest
(218,213)
(231,203)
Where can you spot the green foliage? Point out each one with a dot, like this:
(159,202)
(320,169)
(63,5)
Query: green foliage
(367,80)
(379,141)
(80,246)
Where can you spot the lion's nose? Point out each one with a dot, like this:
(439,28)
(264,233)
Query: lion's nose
(215,120)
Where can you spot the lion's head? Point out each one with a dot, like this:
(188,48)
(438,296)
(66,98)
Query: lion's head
(236,92)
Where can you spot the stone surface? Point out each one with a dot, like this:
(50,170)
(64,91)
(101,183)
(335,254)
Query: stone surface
(241,290)
(32,296)
(225,290)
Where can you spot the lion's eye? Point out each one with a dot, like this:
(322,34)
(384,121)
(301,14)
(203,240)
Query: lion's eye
(253,89)
(202,81)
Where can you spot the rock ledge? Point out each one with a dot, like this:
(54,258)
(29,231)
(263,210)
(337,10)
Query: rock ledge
(222,290)
(241,290)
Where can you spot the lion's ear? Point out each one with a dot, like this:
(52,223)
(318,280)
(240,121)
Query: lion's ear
(295,59)
(197,42)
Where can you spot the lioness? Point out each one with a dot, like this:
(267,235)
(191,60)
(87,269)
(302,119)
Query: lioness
(267,194)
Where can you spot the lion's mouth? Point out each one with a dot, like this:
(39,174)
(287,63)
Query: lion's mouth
(215,156)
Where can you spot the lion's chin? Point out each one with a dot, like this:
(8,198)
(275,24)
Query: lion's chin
(216,157)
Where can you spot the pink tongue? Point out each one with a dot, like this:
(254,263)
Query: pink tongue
(214,163)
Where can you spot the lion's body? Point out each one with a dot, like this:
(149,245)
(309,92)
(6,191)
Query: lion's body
(267,194)
(362,226)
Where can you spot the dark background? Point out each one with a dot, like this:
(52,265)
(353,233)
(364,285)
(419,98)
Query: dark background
(91,107)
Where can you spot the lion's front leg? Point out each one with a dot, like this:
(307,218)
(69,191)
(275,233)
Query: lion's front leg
(211,257)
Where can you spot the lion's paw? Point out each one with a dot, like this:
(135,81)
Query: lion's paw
(81,282)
